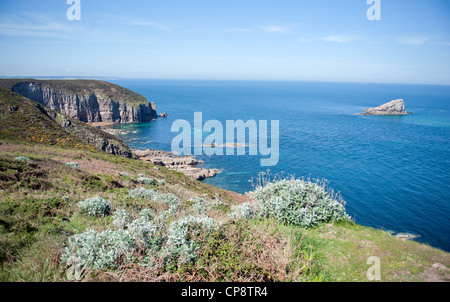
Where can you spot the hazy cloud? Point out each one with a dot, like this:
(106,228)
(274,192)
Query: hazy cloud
(340,38)
(277,29)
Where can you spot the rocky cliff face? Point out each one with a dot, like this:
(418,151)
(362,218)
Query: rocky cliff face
(22,119)
(91,105)
(93,136)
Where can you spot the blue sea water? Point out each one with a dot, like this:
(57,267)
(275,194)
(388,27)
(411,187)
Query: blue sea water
(393,171)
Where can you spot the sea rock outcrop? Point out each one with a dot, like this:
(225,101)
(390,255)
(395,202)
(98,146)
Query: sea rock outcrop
(184,164)
(395,107)
(89,100)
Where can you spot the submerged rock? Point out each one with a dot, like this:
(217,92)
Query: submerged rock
(395,107)
(406,236)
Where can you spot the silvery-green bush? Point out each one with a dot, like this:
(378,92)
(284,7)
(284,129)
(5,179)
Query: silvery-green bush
(171,200)
(74,165)
(243,211)
(121,218)
(143,231)
(95,206)
(299,202)
(199,205)
(143,193)
(146,213)
(23,158)
(146,180)
(98,250)
(181,232)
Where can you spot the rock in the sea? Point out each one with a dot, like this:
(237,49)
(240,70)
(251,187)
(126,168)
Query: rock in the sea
(395,107)
(184,164)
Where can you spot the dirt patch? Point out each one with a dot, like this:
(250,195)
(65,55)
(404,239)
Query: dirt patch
(436,273)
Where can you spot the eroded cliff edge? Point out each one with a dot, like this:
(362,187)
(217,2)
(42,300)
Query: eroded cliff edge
(89,101)
(22,119)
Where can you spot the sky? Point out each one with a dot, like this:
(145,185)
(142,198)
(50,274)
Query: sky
(283,40)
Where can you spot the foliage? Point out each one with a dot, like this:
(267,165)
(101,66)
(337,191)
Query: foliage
(143,193)
(74,165)
(146,180)
(23,158)
(95,206)
(97,250)
(121,218)
(182,233)
(243,211)
(301,203)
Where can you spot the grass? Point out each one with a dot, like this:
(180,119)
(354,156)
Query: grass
(39,211)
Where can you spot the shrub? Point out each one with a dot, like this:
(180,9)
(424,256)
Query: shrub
(73,165)
(95,207)
(23,158)
(98,250)
(200,205)
(171,200)
(143,231)
(181,243)
(121,219)
(243,211)
(146,213)
(299,202)
(146,180)
(143,193)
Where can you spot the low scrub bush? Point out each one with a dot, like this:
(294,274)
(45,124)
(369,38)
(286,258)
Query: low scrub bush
(74,165)
(121,219)
(143,193)
(146,180)
(181,242)
(23,158)
(95,207)
(243,211)
(299,202)
(98,250)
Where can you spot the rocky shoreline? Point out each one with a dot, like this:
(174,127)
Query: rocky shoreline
(184,164)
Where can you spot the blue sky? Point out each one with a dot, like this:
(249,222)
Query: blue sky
(296,40)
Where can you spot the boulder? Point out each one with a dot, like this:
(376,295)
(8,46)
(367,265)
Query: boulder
(395,107)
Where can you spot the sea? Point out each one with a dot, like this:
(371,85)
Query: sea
(392,171)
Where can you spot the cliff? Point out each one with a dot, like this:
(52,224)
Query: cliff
(22,119)
(86,100)
(395,107)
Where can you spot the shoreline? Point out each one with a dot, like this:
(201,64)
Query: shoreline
(184,164)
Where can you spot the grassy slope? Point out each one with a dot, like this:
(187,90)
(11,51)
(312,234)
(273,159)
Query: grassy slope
(29,124)
(86,87)
(36,221)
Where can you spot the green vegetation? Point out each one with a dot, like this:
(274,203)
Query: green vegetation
(170,232)
(103,89)
(69,211)
(22,119)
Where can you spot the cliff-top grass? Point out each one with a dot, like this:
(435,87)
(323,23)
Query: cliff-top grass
(42,219)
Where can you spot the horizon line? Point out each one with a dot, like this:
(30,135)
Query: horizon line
(215,80)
